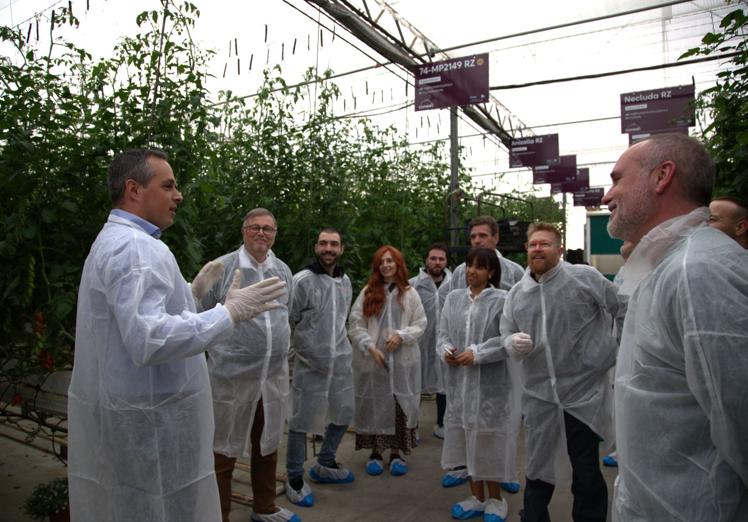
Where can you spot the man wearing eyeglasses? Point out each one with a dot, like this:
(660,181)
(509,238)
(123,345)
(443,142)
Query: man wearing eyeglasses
(249,373)
(556,324)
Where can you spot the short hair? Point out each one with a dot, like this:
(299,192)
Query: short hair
(543,226)
(330,230)
(259,211)
(484,220)
(131,164)
(485,258)
(694,166)
(741,203)
(439,245)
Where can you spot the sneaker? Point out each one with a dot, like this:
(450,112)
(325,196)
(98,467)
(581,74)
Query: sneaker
(495,510)
(331,475)
(282,515)
(303,497)
(398,467)
(438,431)
(455,477)
(374,467)
(510,487)
(610,461)
(471,507)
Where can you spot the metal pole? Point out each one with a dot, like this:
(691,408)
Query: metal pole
(563,194)
(454,181)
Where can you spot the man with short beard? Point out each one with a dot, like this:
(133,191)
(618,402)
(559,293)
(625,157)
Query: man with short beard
(556,323)
(434,274)
(323,397)
(680,388)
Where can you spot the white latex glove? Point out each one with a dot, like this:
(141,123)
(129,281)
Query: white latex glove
(208,275)
(520,343)
(245,303)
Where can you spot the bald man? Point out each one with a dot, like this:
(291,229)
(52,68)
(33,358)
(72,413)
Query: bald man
(730,215)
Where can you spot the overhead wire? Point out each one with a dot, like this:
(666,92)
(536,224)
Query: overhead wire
(721,56)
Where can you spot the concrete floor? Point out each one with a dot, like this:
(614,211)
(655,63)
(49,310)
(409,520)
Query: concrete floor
(417,496)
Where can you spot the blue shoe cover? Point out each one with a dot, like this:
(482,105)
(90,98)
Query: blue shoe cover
(510,487)
(295,518)
(455,478)
(461,512)
(398,468)
(374,467)
(303,497)
(324,475)
(610,461)
(307,501)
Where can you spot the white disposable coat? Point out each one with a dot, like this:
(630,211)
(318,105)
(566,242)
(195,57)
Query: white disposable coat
(432,368)
(252,364)
(681,385)
(511,273)
(323,371)
(140,419)
(566,314)
(483,410)
(375,386)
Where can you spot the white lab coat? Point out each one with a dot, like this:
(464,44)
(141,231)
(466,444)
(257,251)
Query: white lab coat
(511,273)
(483,409)
(566,314)
(375,386)
(252,364)
(432,369)
(681,385)
(140,418)
(323,370)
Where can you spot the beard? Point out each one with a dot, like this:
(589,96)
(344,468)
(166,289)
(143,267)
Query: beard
(435,271)
(328,260)
(629,215)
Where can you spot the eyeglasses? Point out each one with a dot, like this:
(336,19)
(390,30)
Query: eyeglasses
(255,229)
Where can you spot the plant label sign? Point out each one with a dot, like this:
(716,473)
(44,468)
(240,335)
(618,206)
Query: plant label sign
(564,170)
(533,151)
(580,181)
(663,110)
(450,83)
(591,197)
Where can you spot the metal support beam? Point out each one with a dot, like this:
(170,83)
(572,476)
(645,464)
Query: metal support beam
(393,47)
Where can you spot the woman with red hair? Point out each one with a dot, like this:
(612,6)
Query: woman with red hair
(384,326)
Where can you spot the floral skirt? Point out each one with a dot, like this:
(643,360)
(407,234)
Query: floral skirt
(403,440)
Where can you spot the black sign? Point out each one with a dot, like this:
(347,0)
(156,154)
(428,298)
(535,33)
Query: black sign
(664,109)
(565,169)
(580,181)
(534,151)
(591,197)
(460,81)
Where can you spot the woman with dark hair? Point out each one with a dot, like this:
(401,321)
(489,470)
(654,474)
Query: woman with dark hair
(385,323)
(483,410)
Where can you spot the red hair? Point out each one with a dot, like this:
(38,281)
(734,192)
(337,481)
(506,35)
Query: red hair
(374,293)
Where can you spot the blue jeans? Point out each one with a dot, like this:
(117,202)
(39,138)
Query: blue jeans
(296,453)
